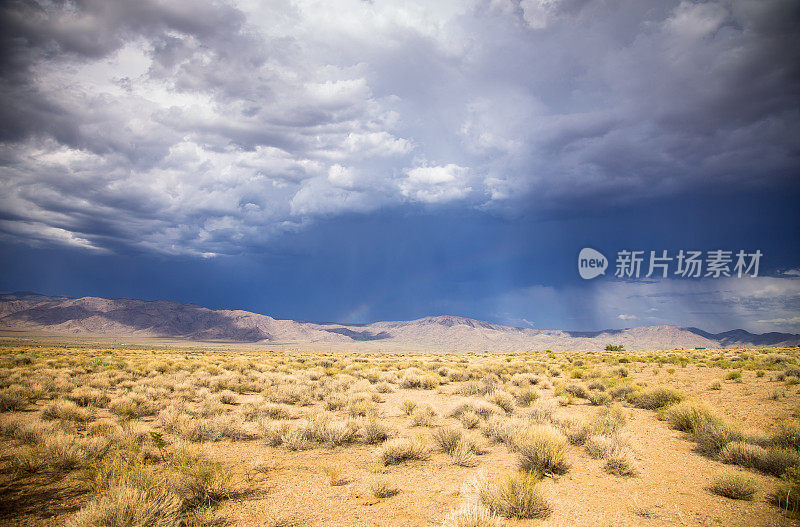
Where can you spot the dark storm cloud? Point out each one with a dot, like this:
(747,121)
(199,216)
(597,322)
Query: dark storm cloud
(205,128)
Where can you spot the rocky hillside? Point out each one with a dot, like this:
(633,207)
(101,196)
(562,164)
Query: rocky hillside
(124,317)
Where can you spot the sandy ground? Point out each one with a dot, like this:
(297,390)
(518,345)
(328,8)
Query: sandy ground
(671,487)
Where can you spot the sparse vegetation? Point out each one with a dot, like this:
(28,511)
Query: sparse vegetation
(176,433)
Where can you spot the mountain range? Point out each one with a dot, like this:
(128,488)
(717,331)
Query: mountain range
(31,313)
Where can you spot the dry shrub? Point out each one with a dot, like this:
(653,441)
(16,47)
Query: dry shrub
(542,410)
(124,505)
(373,431)
(382,487)
(447,438)
(772,460)
(469,419)
(503,399)
(87,396)
(734,485)
(541,448)
(499,429)
(334,474)
(787,495)
(409,407)
(132,406)
(621,463)
(424,416)
(525,396)
(655,398)
(515,495)
(12,399)
(473,515)
(403,449)
(690,415)
(576,430)
(609,420)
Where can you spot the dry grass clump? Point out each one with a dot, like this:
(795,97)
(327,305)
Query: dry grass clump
(602,446)
(577,390)
(606,443)
(424,416)
(787,495)
(415,378)
(409,407)
(500,429)
(460,447)
(514,495)
(518,496)
(772,460)
(253,411)
(12,400)
(403,449)
(125,505)
(361,408)
(321,429)
(525,396)
(542,449)
(542,410)
(598,398)
(56,453)
(469,419)
(382,487)
(576,430)
(334,474)
(621,463)
(713,435)
(227,397)
(655,398)
(66,411)
(131,493)
(373,431)
(734,485)
(690,415)
(473,515)
(463,454)
(384,387)
(787,435)
(609,420)
(447,438)
(217,428)
(132,406)
(88,396)
(503,399)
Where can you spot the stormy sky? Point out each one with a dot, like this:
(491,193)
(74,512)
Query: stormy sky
(358,161)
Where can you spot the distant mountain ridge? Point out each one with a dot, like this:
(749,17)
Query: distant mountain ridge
(125,317)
